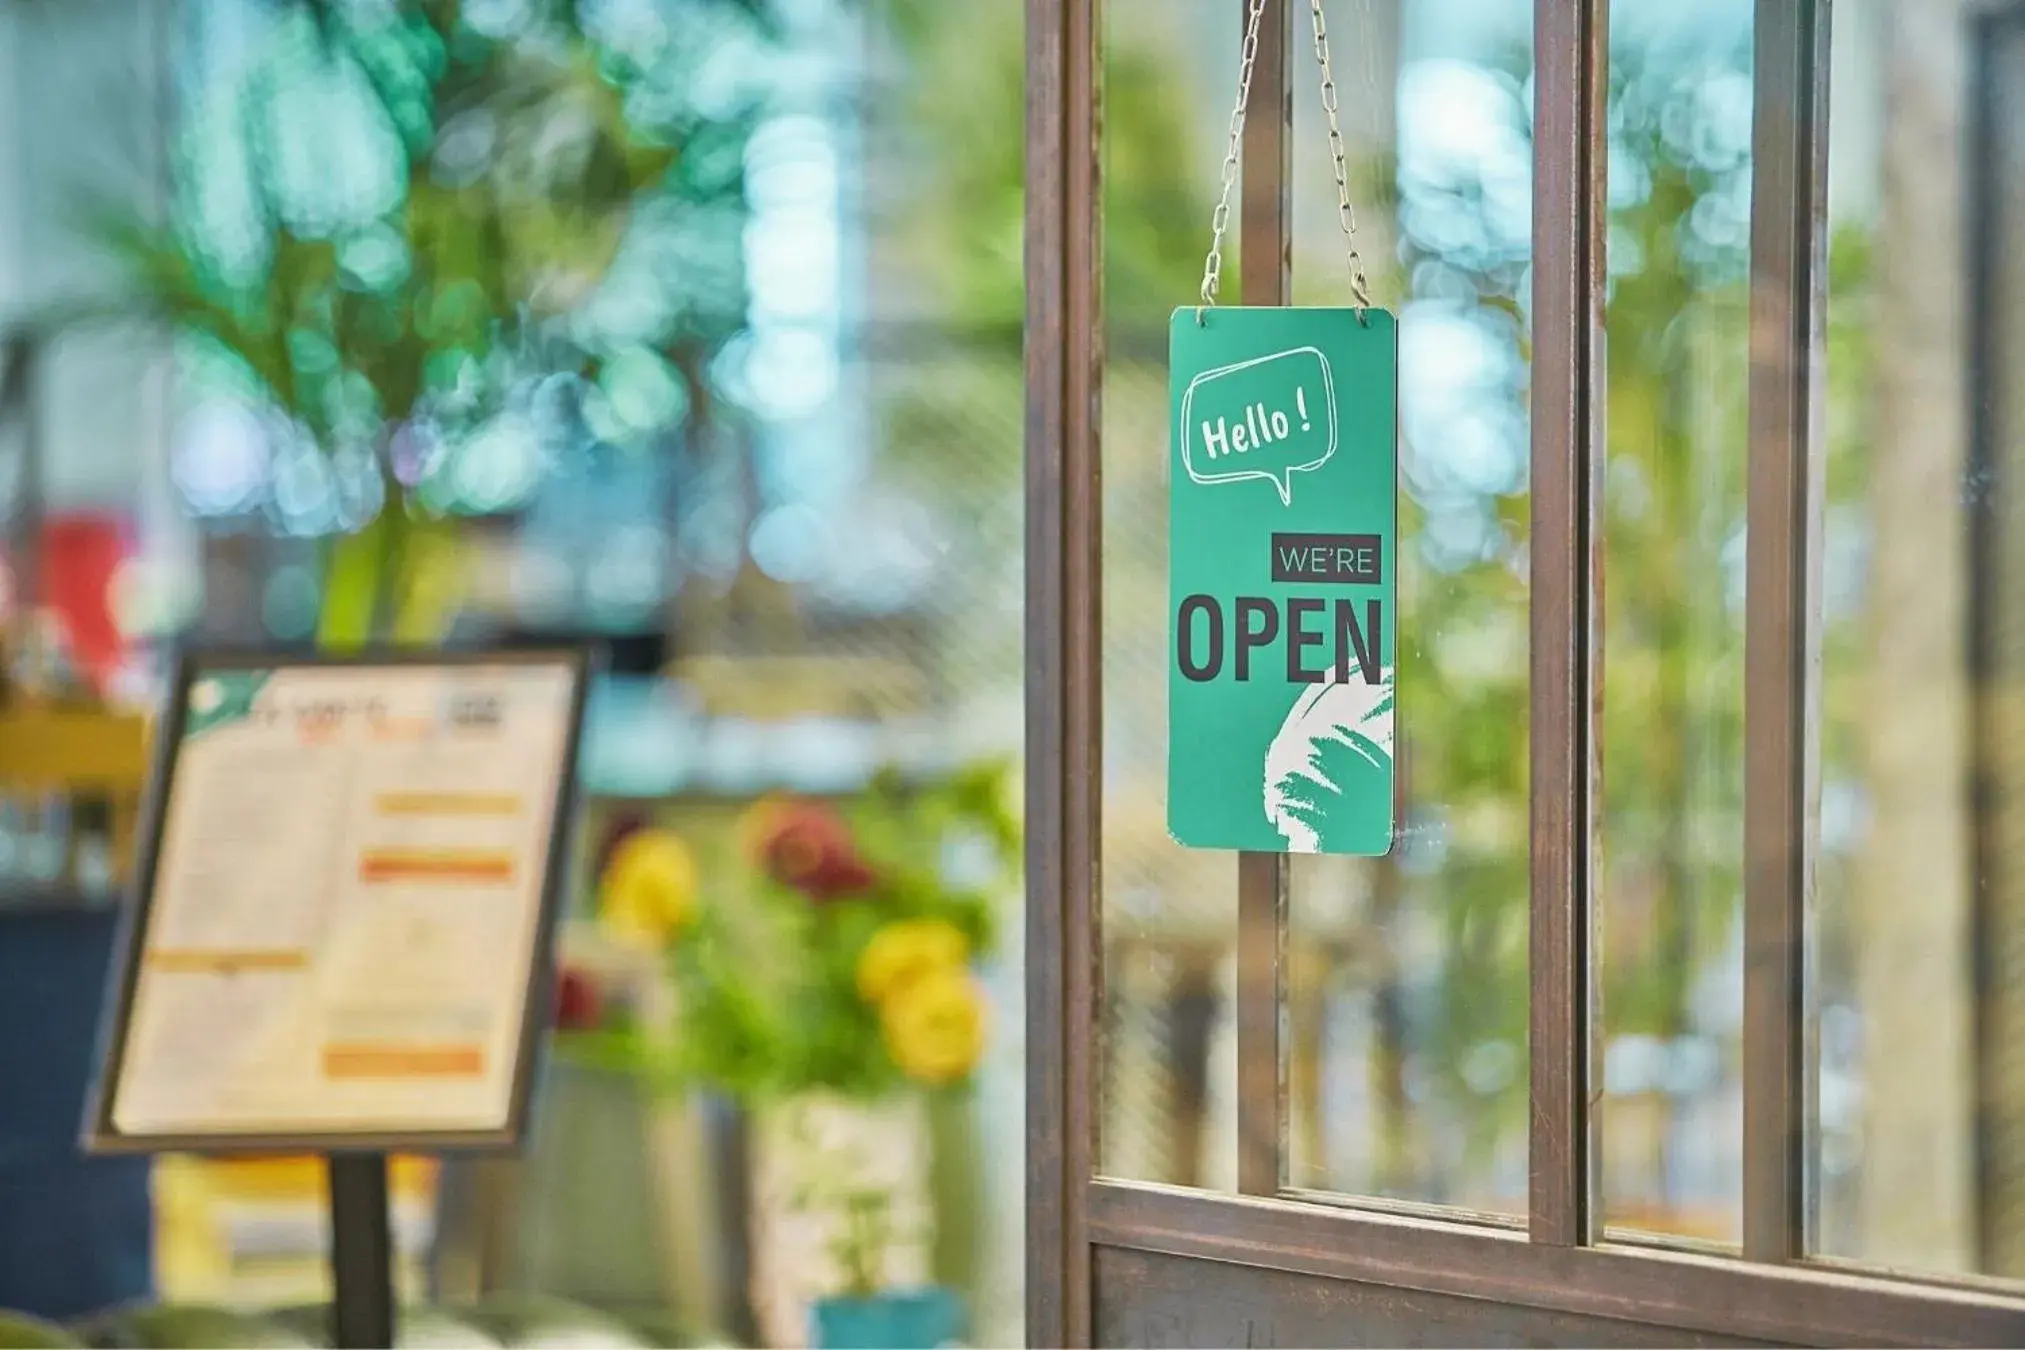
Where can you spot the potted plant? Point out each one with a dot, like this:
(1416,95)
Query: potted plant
(866,1314)
(821,959)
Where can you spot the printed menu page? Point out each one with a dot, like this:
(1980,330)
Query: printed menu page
(346,901)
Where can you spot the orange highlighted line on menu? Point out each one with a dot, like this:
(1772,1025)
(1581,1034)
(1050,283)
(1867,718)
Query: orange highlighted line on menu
(491,867)
(368,1060)
(224,961)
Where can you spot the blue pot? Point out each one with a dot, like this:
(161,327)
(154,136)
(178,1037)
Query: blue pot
(920,1319)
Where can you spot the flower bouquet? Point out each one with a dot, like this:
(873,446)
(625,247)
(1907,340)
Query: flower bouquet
(821,961)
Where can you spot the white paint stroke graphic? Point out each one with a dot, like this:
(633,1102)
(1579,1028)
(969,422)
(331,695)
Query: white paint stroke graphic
(1330,729)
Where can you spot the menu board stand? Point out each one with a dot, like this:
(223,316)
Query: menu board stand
(341,940)
(361,1252)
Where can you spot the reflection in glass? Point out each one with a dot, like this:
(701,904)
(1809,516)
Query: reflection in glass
(1918,918)
(1670,895)
(1406,1027)
(1169,1067)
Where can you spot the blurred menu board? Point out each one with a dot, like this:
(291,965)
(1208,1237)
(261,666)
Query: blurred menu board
(345,905)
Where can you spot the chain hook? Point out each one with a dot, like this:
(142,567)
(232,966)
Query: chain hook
(1219,221)
(1346,214)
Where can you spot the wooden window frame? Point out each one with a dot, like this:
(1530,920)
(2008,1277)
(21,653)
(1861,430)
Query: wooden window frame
(1559,1261)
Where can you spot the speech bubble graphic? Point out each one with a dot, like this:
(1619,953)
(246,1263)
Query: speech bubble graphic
(1270,417)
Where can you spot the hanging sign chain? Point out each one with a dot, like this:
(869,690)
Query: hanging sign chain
(1219,221)
(1212,270)
(1360,289)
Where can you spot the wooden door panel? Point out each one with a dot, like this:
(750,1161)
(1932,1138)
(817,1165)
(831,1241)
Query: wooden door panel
(1151,1299)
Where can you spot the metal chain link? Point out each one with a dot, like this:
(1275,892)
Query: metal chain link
(1360,289)
(1219,223)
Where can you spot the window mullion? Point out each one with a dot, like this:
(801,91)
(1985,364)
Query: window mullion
(1571,42)
(1789,276)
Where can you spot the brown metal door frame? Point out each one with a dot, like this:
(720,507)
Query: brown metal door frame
(1064,732)
(1121,1262)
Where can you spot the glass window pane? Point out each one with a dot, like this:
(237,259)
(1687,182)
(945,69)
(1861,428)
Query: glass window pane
(1169,1070)
(1406,1026)
(1670,895)
(1921,910)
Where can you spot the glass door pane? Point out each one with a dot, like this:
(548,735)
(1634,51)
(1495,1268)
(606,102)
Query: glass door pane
(1670,893)
(1405,1030)
(1920,1141)
(1167,1106)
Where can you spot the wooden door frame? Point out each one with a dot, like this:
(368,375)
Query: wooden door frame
(1064,635)
(1123,1261)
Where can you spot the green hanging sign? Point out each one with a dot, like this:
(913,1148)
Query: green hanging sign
(1282,556)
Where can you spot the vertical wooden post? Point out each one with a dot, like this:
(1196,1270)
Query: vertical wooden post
(1789,279)
(1064,740)
(1571,43)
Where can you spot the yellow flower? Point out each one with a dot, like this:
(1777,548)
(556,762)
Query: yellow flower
(934,1027)
(649,890)
(902,952)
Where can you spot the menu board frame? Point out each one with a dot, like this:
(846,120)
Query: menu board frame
(102,1135)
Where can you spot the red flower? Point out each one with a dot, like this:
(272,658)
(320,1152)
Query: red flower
(809,848)
(577,1005)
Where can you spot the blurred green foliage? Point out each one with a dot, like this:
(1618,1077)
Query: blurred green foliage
(967,112)
(401,219)
(19,1332)
(520,169)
